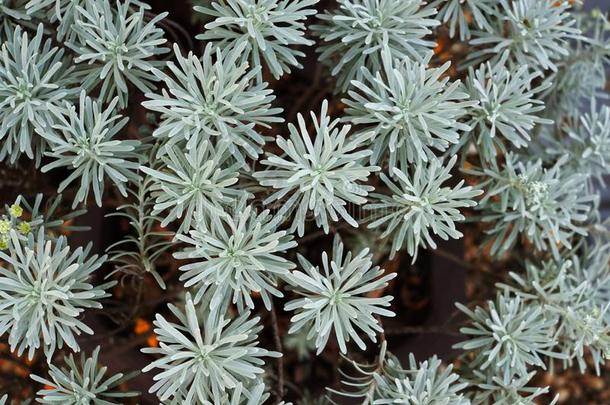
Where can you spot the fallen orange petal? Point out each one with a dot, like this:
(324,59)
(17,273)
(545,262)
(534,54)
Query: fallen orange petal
(152,341)
(142,326)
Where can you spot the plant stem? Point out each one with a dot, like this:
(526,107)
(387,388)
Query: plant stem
(280,360)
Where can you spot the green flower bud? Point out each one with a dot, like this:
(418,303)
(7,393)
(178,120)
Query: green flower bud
(24,227)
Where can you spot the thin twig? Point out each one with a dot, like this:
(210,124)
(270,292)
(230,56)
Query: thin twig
(413,330)
(280,360)
(483,269)
(457,260)
(311,89)
(128,345)
(320,233)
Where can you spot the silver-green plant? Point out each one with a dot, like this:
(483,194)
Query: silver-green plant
(585,139)
(116,46)
(22,219)
(206,356)
(582,74)
(44,287)
(545,205)
(236,254)
(566,291)
(47,215)
(335,301)
(322,176)
(508,107)
(64,13)
(491,389)
(509,336)
(195,185)
(61,12)
(386,382)
(12,15)
(83,140)
(536,33)
(138,253)
(211,99)
(413,110)
(34,75)
(355,35)
(82,383)
(458,13)
(256,396)
(504,93)
(424,383)
(270,28)
(420,206)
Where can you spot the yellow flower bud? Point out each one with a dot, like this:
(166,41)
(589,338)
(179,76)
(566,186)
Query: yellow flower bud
(5,227)
(15,211)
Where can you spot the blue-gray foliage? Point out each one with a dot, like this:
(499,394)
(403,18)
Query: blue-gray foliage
(269,30)
(419,206)
(194,184)
(13,14)
(83,140)
(206,355)
(545,205)
(34,75)
(336,299)
(116,46)
(82,382)
(355,35)
(536,33)
(44,287)
(210,99)
(413,110)
(322,174)
(509,106)
(458,13)
(509,336)
(386,381)
(138,253)
(235,254)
